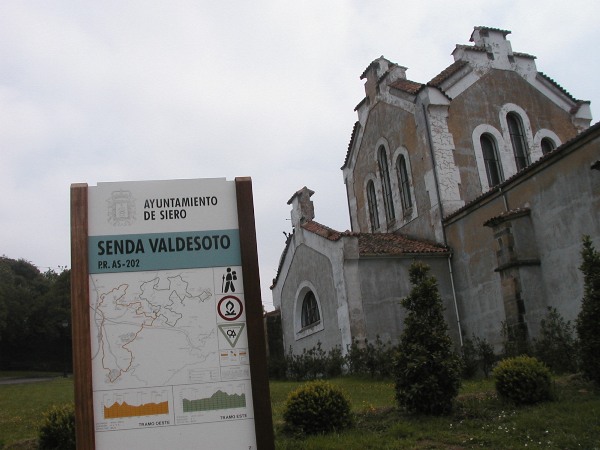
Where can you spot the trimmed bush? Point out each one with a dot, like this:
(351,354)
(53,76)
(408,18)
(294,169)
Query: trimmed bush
(317,407)
(427,369)
(58,428)
(523,380)
(589,316)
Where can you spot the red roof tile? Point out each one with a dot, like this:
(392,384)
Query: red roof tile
(447,73)
(378,244)
(412,87)
(558,86)
(506,215)
(375,244)
(324,231)
(355,131)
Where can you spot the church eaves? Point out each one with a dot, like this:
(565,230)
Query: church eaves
(378,244)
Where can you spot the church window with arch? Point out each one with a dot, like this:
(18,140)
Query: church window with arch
(310,310)
(386,185)
(372,205)
(403,183)
(517,139)
(491,160)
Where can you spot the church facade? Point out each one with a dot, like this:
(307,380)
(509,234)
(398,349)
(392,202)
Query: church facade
(489,173)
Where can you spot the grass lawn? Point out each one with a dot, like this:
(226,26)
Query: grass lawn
(480,420)
(22,405)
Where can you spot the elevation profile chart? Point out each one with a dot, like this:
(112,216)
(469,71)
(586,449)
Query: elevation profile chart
(133,408)
(117,407)
(212,402)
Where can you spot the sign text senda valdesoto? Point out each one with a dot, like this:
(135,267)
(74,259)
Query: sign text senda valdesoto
(163,250)
(111,247)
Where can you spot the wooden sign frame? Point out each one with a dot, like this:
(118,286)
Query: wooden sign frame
(80,305)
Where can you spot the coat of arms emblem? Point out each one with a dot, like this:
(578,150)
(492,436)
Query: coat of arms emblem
(121,208)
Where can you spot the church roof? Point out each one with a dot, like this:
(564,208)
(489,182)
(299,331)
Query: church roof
(560,88)
(447,73)
(412,87)
(380,244)
(377,244)
(369,244)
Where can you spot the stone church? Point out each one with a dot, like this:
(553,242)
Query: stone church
(489,173)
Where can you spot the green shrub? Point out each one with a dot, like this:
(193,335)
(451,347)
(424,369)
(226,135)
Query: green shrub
(486,355)
(314,363)
(470,363)
(523,380)
(317,407)
(58,428)
(589,316)
(366,358)
(515,340)
(427,369)
(556,345)
(477,357)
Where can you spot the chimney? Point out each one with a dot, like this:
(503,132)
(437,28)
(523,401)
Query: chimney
(302,207)
(494,41)
(377,69)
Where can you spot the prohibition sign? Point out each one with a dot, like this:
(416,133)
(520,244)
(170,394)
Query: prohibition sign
(230,308)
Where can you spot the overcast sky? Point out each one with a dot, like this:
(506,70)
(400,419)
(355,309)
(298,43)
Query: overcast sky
(121,90)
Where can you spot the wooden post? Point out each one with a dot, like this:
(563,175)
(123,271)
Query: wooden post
(263,419)
(80,318)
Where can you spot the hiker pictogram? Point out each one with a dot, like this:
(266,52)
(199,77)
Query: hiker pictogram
(227,281)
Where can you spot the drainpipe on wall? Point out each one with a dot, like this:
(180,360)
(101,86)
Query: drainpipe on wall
(455,302)
(503,194)
(437,191)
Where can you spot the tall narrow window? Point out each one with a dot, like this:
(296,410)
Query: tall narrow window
(310,310)
(547,145)
(372,203)
(517,138)
(386,185)
(403,183)
(490,159)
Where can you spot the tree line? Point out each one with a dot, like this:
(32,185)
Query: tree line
(35,317)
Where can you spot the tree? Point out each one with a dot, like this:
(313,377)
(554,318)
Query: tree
(556,345)
(34,309)
(427,368)
(588,320)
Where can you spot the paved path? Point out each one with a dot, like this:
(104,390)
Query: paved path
(23,380)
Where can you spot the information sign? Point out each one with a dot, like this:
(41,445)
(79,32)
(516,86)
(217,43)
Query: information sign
(171,361)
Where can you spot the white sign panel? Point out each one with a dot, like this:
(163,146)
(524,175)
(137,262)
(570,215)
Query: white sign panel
(170,363)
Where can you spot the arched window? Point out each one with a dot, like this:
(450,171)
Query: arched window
(386,185)
(547,145)
(372,203)
(403,183)
(490,159)
(310,310)
(517,138)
